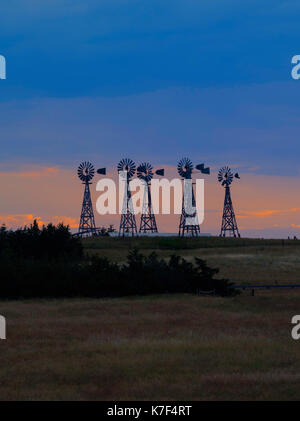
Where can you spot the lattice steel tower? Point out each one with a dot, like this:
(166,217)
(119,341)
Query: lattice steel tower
(229,225)
(87,225)
(148,222)
(127,168)
(189,220)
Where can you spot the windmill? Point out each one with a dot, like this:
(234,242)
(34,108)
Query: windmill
(87,226)
(148,222)
(229,225)
(185,170)
(127,168)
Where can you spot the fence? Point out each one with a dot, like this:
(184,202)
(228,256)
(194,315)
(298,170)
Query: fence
(254,287)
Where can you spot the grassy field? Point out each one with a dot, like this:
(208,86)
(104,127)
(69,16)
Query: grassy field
(244,261)
(157,348)
(179,347)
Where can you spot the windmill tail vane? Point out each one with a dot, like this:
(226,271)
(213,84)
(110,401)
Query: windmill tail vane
(203,169)
(101,171)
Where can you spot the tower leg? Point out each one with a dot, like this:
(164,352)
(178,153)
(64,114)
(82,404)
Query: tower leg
(229,224)
(127,223)
(185,228)
(87,225)
(148,221)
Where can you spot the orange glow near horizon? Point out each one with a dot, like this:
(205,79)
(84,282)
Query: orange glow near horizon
(37,172)
(21,220)
(53,194)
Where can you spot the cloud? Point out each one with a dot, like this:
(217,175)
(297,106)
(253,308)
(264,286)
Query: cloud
(20,220)
(42,172)
(106,48)
(212,125)
(269,212)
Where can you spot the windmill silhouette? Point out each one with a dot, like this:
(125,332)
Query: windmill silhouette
(127,224)
(148,221)
(87,226)
(229,225)
(189,221)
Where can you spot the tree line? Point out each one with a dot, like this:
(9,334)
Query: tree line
(49,262)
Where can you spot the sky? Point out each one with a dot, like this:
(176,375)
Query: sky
(153,80)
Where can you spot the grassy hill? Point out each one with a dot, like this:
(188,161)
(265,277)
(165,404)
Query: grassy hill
(242,260)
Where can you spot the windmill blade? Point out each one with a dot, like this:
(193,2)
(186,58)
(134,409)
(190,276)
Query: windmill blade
(225,176)
(160,172)
(127,164)
(185,168)
(102,171)
(145,171)
(86,171)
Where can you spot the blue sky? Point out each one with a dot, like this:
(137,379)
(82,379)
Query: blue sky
(102,79)
(111,48)
(153,80)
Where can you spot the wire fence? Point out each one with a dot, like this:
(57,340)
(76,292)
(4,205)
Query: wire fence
(252,288)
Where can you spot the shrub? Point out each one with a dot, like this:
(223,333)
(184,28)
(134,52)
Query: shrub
(49,262)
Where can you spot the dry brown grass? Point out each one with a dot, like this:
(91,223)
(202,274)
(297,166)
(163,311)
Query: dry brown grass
(243,265)
(154,348)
